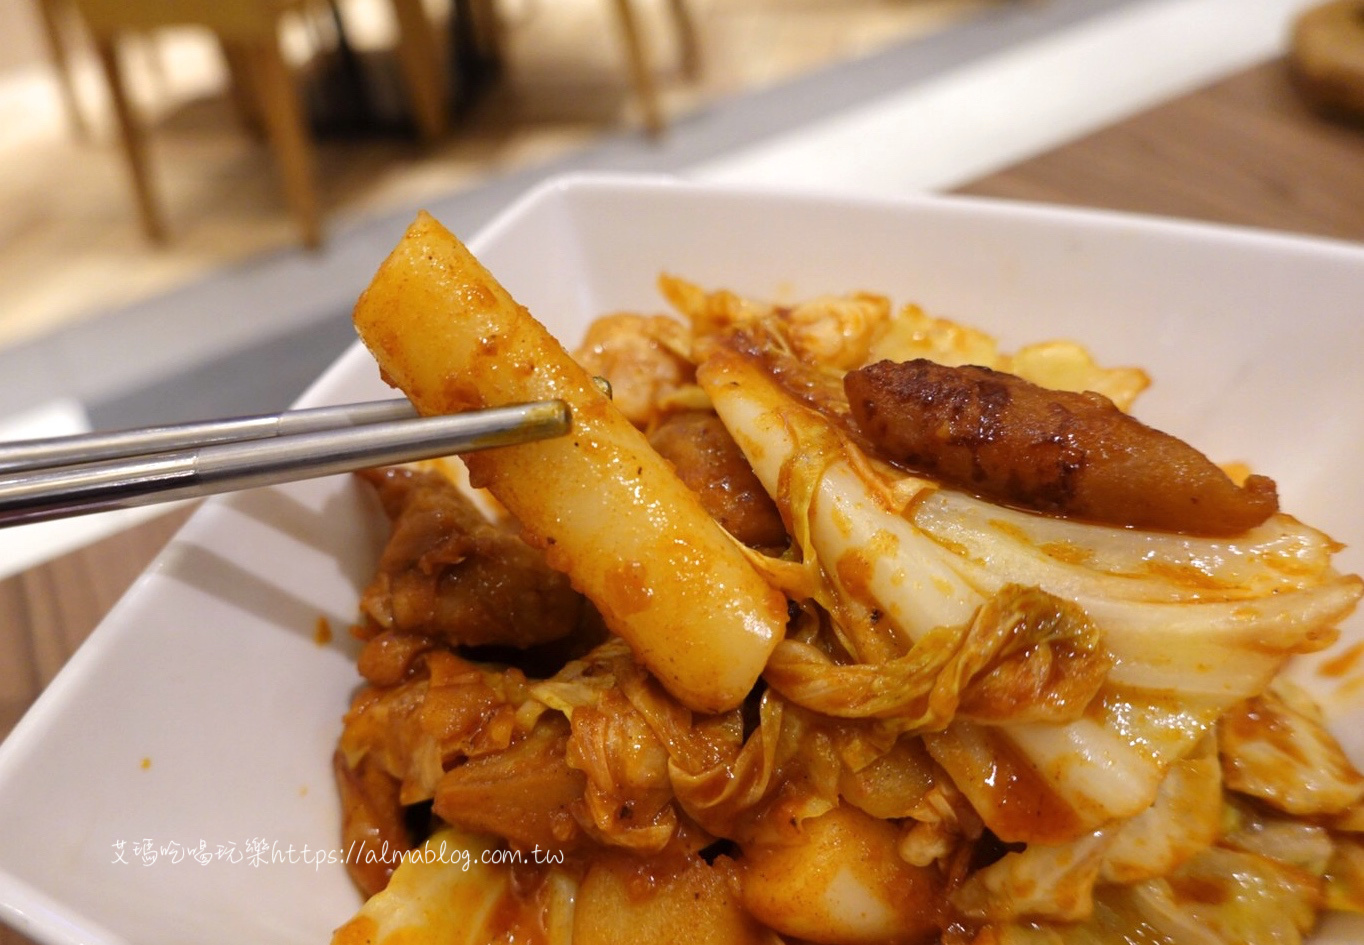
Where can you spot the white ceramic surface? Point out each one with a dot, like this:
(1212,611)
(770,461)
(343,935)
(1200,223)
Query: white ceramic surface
(202,711)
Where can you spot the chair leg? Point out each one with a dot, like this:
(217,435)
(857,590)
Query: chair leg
(245,98)
(687,37)
(56,45)
(639,66)
(488,30)
(289,137)
(476,49)
(423,71)
(132,139)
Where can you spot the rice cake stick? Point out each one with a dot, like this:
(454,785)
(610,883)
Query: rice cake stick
(606,508)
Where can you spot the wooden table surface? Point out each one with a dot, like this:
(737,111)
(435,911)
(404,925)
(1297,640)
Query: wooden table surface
(1243,150)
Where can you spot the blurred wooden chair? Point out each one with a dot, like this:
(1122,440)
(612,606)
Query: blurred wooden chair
(249,33)
(641,69)
(54,14)
(488,35)
(263,84)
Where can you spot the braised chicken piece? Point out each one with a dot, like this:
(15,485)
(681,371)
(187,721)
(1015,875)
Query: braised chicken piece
(399,740)
(523,793)
(373,822)
(1072,454)
(711,464)
(639,356)
(448,572)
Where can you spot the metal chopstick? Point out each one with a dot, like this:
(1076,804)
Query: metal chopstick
(36,495)
(91,447)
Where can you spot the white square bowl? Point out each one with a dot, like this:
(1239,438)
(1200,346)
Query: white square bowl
(201,715)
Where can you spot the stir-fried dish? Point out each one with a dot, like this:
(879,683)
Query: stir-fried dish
(832,623)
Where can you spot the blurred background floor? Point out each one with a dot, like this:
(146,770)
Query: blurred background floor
(69,242)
